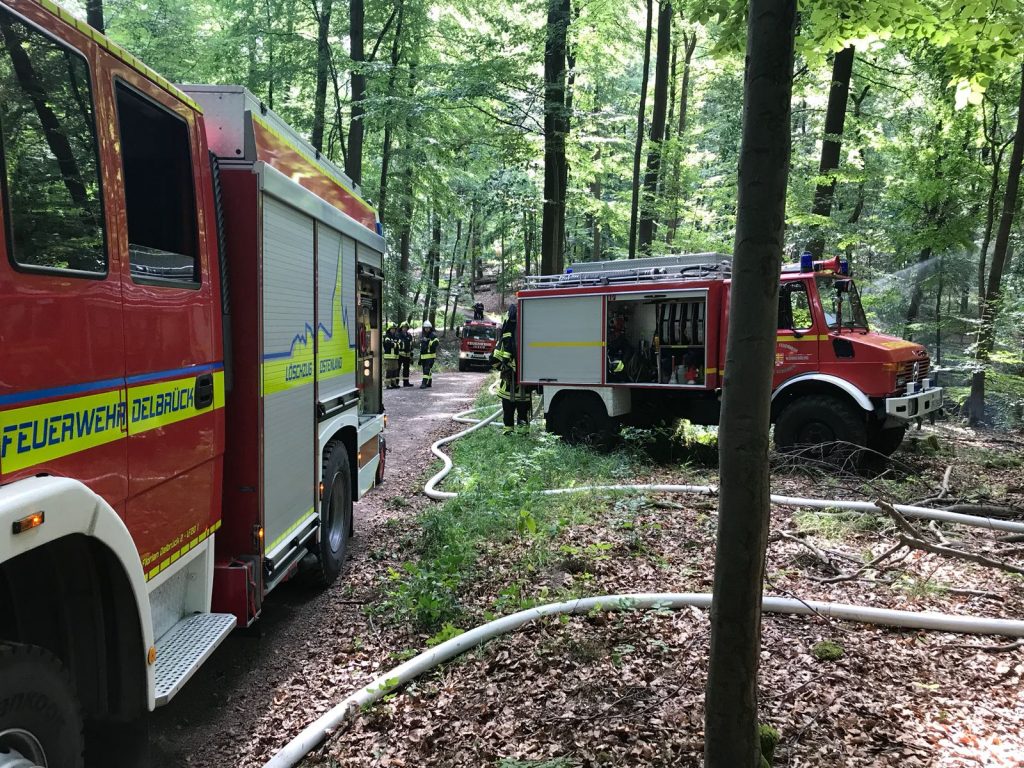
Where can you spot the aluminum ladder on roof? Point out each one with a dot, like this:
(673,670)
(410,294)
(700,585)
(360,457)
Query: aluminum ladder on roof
(691,266)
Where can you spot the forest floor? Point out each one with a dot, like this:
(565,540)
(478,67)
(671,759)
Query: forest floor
(312,646)
(627,688)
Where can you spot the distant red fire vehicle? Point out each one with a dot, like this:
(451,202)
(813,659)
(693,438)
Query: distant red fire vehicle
(479,338)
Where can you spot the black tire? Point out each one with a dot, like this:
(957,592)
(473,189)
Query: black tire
(40,717)
(885,441)
(335,514)
(462,366)
(821,421)
(582,419)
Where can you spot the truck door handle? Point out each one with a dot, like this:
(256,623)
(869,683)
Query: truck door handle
(204,390)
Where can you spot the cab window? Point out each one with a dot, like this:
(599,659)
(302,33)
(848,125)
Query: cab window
(159,191)
(49,161)
(794,307)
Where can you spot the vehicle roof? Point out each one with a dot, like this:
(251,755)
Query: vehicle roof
(480,322)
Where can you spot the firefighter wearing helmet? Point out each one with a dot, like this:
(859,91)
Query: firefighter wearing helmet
(404,352)
(428,353)
(515,398)
(390,345)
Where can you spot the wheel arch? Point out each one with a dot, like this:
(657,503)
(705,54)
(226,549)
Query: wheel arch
(347,435)
(817,384)
(75,586)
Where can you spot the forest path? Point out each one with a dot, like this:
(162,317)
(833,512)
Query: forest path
(312,647)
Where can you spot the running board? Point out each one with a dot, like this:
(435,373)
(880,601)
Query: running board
(184,648)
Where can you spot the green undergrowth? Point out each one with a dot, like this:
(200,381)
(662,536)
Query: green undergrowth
(498,477)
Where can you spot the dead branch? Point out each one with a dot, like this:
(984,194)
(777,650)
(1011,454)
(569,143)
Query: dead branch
(911,538)
(945,482)
(997,648)
(873,564)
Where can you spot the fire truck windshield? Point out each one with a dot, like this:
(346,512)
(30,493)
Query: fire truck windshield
(480,332)
(840,300)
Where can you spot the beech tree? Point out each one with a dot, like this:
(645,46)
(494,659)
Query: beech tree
(730,721)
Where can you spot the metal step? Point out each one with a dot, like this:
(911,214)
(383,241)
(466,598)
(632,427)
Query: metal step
(185,647)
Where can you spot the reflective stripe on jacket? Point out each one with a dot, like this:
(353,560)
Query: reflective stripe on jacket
(428,347)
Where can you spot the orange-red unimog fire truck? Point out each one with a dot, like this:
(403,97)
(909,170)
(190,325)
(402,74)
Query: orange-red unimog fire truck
(644,340)
(477,340)
(190,384)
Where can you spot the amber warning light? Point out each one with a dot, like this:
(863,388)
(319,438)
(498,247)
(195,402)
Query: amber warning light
(28,523)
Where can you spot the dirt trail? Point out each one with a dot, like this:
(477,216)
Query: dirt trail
(312,646)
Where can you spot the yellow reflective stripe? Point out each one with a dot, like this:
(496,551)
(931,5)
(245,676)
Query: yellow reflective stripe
(36,434)
(167,402)
(40,433)
(805,337)
(291,528)
(566,344)
(427,356)
(178,553)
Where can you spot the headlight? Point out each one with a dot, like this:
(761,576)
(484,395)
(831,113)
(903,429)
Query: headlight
(463,354)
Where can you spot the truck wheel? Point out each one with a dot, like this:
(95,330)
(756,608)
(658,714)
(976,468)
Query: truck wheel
(819,420)
(335,513)
(583,420)
(462,366)
(40,719)
(885,441)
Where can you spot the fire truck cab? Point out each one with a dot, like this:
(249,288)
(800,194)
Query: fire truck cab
(190,383)
(641,341)
(477,339)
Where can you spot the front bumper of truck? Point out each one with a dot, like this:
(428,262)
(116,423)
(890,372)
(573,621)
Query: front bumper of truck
(920,400)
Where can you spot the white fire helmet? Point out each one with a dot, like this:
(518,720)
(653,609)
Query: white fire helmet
(427,325)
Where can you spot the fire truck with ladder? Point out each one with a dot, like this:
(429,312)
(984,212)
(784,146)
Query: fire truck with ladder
(190,381)
(642,341)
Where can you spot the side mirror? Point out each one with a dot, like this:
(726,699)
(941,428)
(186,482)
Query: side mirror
(458,332)
(842,286)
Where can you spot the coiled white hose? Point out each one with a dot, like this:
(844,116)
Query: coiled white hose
(316,732)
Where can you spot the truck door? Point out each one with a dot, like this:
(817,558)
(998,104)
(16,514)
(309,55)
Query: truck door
(798,334)
(62,373)
(173,359)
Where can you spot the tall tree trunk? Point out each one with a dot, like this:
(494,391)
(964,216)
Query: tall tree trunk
(94,15)
(323,67)
(1000,257)
(269,18)
(730,720)
(435,270)
(354,157)
(835,119)
(527,244)
(689,45)
(405,235)
(556,126)
(634,207)
(993,196)
(451,274)
(385,150)
(649,199)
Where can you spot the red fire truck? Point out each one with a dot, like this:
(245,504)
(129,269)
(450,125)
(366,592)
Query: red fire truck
(640,341)
(477,341)
(190,385)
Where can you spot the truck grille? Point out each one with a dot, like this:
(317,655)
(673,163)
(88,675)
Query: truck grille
(905,373)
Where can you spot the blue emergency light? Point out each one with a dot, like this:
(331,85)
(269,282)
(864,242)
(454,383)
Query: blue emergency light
(844,267)
(806,261)
(380,229)
(568,270)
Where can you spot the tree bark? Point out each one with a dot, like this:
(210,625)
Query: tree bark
(556,126)
(94,15)
(689,45)
(649,198)
(323,67)
(434,272)
(835,120)
(997,152)
(354,156)
(634,207)
(1000,258)
(730,725)
(385,151)
(451,274)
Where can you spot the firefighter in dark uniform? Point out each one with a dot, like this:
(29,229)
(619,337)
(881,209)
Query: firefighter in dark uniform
(516,400)
(428,353)
(390,345)
(404,353)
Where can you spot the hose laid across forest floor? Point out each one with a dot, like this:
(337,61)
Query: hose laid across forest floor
(315,733)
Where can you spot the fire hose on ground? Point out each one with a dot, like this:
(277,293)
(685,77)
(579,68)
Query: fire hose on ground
(316,732)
